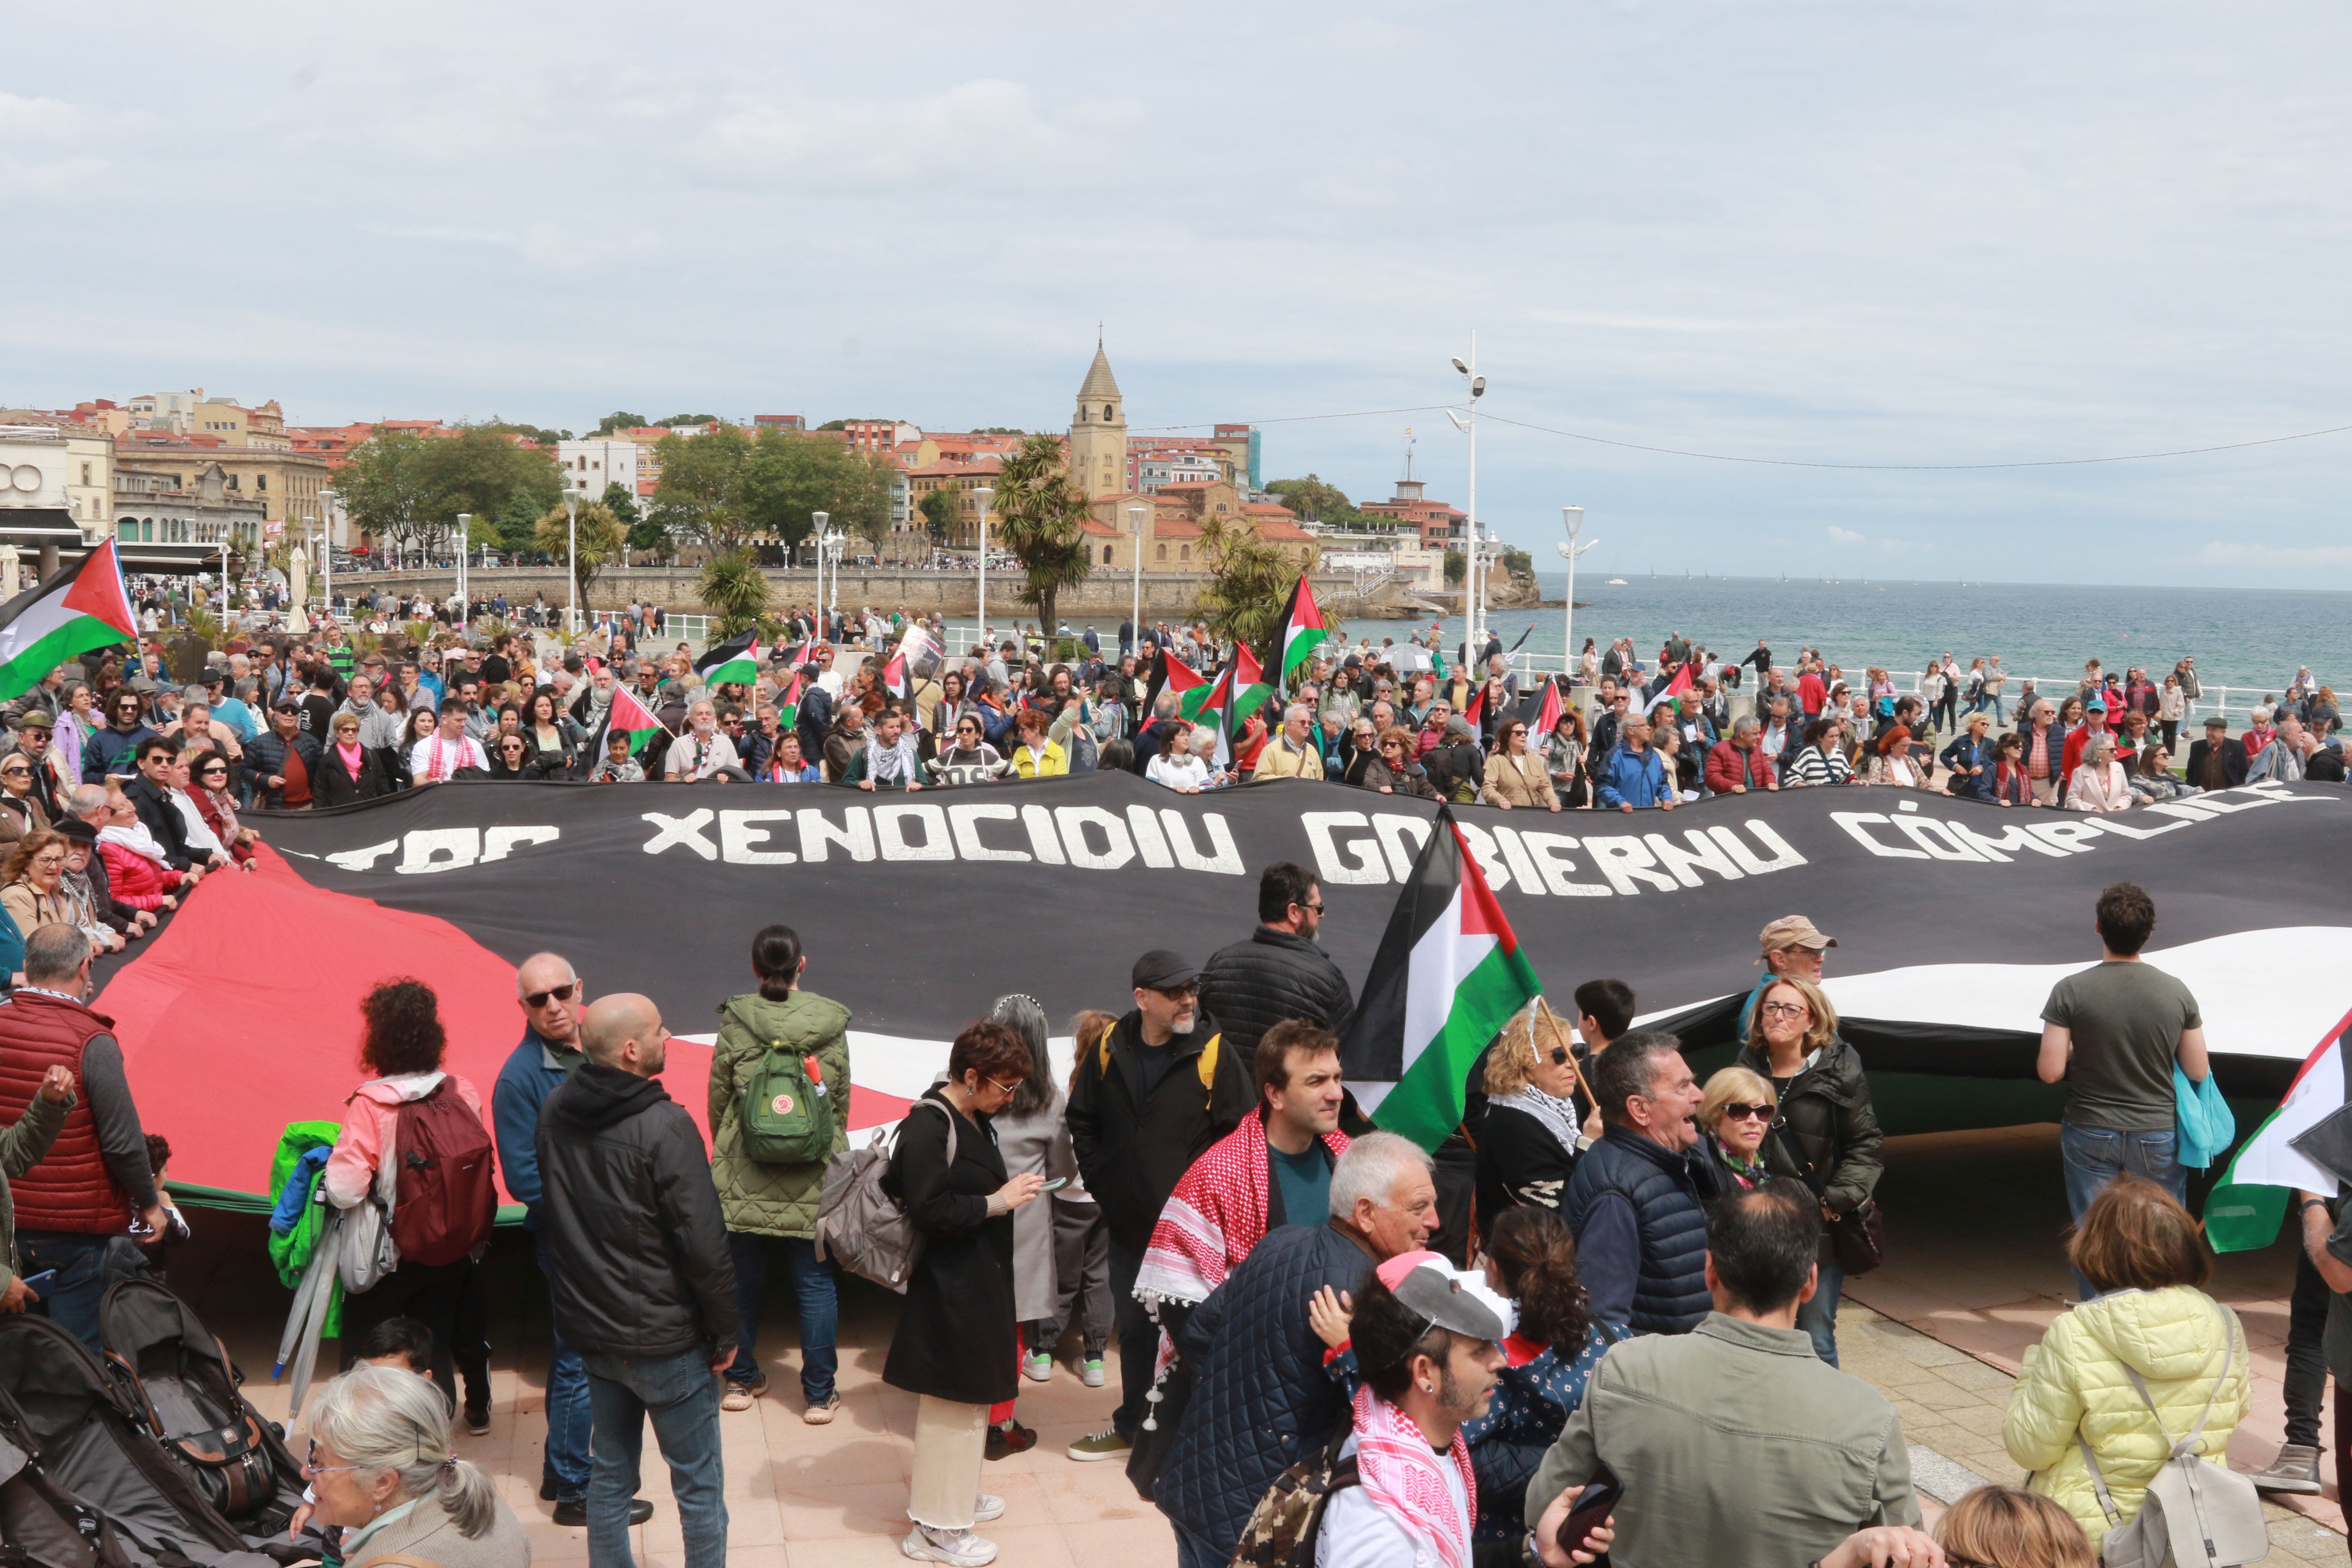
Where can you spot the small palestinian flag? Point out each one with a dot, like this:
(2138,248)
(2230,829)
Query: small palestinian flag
(788,705)
(1298,632)
(632,718)
(894,675)
(2306,1142)
(735,662)
(1249,687)
(1190,687)
(1546,716)
(68,616)
(1449,974)
(1676,688)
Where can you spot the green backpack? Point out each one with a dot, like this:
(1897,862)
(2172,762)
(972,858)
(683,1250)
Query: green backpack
(786,1111)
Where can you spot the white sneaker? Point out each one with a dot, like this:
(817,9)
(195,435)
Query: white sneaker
(1091,1373)
(987,1508)
(960,1548)
(1037,1368)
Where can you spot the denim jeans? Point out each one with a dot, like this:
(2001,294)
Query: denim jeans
(79,1258)
(680,1393)
(1818,1317)
(568,1418)
(1138,1343)
(820,1308)
(2095,1156)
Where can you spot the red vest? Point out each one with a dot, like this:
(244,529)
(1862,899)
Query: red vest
(70,1189)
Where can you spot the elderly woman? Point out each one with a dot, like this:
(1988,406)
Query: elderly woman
(22,810)
(383,1467)
(1031,1133)
(1038,756)
(1734,1116)
(2150,1321)
(2099,783)
(348,769)
(1515,775)
(1891,762)
(210,786)
(1528,1142)
(1405,773)
(957,1339)
(1826,1134)
(1972,758)
(29,879)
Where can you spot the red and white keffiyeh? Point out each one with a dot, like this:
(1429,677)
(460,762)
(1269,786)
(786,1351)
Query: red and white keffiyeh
(1400,1475)
(1216,1215)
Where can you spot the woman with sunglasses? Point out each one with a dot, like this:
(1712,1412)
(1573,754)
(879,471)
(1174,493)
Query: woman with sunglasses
(1826,1131)
(968,759)
(209,786)
(349,771)
(1736,1114)
(512,758)
(383,1467)
(1405,773)
(1528,1142)
(22,810)
(1362,765)
(1516,776)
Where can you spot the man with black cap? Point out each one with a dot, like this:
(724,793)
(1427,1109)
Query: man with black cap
(1150,1094)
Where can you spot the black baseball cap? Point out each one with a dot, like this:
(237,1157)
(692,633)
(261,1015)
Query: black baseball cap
(1160,970)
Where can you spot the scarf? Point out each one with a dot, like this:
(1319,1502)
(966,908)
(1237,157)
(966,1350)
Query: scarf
(1556,1116)
(1216,1215)
(350,755)
(1400,1473)
(135,838)
(1746,1173)
(889,764)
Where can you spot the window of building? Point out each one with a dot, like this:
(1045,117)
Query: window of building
(1163,553)
(1106,554)
(85,473)
(261,481)
(1183,552)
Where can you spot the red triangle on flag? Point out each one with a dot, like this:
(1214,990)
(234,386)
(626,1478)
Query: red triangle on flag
(97,591)
(1482,915)
(1547,716)
(1246,671)
(1478,706)
(1310,613)
(894,675)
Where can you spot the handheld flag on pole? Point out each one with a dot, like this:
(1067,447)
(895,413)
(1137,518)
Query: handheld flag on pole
(1448,974)
(70,614)
(1298,632)
(788,705)
(1191,687)
(2306,1142)
(735,662)
(631,718)
(1548,707)
(1249,690)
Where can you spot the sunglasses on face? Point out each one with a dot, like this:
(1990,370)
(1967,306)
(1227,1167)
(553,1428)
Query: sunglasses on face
(562,992)
(1560,1055)
(1739,1111)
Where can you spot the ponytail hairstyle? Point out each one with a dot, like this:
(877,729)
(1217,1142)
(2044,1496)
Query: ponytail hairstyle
(1535,1255)
(776,959)
(379,1419)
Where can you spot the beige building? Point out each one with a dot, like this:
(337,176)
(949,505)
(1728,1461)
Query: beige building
(285,483)
(1099,434)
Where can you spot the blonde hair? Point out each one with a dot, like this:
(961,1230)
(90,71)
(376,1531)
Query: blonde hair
(1825,1018)
(1513,1058)
(1729,1084)
(2014,1529)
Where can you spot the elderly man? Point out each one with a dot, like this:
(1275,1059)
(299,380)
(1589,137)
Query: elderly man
(2284,758)
(702,751)
(1636,1202)
(378,731)
(1262,1395)
(1632,775)
(1292,753)
(1736,766)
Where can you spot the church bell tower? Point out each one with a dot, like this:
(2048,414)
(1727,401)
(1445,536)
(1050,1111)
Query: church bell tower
(1098,433)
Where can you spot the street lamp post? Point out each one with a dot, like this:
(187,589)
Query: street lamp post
(572,561)
(1474,581)
(817,522)
(1136,513)
(465,600)
(982,495)
(1569,550)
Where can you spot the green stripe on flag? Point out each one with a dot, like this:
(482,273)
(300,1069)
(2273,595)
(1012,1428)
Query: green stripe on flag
(1301,647)
(79,636)
(1427,1102)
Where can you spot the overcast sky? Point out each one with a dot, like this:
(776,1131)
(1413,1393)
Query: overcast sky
(1840,233)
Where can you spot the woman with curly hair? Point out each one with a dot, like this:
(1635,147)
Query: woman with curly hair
(1531,1258)
(401,1047)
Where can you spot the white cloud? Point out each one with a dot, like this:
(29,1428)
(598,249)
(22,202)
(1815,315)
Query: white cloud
(1845,536)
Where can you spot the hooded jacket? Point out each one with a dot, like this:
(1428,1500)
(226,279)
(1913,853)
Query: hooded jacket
(2074,1380)
(773,1200)
(637,1251)
(370,1131)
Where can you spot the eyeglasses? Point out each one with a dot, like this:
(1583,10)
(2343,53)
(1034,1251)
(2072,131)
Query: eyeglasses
(1314,907)
(1737,1112)
(1007,1087)
(562,994)
(1786,1010)
(311,1466)
(1560,1055)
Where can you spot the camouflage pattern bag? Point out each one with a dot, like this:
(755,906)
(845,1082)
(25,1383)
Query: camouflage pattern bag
(1283,1528)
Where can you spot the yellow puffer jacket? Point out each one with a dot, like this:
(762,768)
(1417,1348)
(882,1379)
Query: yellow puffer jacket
(2075,1381)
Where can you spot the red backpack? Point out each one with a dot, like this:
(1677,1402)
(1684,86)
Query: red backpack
(447,1193)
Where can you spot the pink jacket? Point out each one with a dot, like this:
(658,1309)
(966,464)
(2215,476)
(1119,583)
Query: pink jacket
(136,880)
(370,1131)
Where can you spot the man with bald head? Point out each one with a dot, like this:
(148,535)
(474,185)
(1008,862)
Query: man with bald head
(637,1267)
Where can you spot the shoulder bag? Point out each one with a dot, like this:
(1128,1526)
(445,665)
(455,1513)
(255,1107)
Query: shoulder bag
(1858,1240)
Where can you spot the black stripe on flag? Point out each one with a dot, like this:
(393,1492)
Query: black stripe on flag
(1373,1048)
(712,658)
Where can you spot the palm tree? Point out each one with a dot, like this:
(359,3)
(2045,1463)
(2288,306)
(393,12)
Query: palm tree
(1042,517)
(599,535)
(1249,582)
(735,590)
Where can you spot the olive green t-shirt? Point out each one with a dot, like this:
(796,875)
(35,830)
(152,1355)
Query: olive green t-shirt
(2126,1020)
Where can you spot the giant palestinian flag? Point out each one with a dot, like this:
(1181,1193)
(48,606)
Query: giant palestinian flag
(66,616)
(1448,974)
(1953,919)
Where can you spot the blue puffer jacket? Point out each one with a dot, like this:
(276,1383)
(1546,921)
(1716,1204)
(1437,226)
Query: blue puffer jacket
(1670,1294)
(1627,778)
(1262,1398)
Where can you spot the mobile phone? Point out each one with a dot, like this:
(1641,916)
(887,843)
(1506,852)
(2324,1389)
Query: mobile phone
(1058,1183)
(1591,1510)
(41,1284)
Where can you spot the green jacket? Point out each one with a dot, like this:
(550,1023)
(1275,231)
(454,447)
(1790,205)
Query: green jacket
(773,1200)
(1791,1454)
(22,1147)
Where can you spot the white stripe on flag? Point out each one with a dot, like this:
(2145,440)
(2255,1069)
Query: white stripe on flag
(2267,1161)
(1439,960)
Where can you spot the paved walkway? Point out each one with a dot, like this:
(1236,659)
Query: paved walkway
(1975,1273)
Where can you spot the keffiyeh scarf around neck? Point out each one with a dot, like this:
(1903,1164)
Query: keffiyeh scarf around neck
(891,765)
(1400,1475)
(1557,1116)
(1214,1218)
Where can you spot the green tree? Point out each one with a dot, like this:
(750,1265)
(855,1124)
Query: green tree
(735,590)
(1317,501)
(1518,563)
(1249,582)
(690,419)
(518,524)
(939,509)
(1042,516)
(600,537)
(388,490)
(789,477)
(700,493)
(622,502)
(480,470)
(1457,565)
(619,419)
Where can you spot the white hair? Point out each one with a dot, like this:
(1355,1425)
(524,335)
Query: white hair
(381,1419)
(1372,1167)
